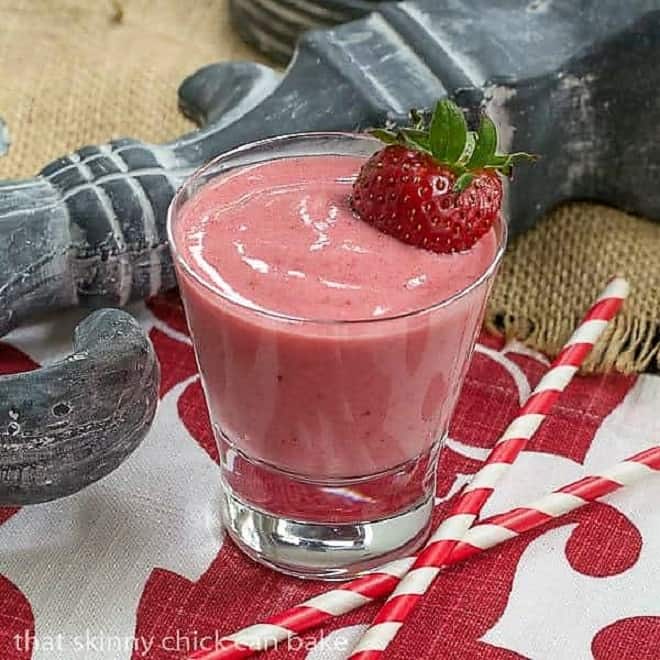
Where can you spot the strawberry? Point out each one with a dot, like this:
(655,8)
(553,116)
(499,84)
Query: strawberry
(437,188)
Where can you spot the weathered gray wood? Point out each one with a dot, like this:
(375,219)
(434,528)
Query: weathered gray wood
(5,140)
(90,229)
(573,80)
(66,425)
(274,26)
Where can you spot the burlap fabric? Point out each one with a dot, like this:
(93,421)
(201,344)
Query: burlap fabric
(77,72)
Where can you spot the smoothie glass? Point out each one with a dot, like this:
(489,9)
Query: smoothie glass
(328,429)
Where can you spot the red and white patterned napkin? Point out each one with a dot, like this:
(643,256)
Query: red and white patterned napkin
(136,566)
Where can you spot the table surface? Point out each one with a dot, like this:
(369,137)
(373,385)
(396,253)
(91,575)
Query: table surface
(136,565)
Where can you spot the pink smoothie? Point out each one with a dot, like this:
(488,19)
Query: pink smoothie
(320,341)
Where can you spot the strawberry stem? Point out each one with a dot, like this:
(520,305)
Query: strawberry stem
(447,139)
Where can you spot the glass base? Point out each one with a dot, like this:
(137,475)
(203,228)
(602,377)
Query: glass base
(324,551)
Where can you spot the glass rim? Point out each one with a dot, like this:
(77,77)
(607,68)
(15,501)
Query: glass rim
(281,316)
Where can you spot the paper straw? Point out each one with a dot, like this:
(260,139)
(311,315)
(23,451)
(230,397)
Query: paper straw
(504,527)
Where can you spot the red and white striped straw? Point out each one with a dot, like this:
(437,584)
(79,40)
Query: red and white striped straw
(491,532)
(381,582)
(509,446)
(500,528)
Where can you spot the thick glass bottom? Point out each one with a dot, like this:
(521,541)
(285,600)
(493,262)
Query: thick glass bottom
(326,528)
(324,551)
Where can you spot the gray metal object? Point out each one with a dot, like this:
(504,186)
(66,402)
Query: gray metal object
(5,140)
(90,229)
(273,27)
(575,82)
(64,426)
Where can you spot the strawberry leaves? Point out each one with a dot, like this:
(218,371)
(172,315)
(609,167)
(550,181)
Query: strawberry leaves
(385,136)
(486,144)
(416,138)
(449,131)
(449,141)
(439,133)
(463,181)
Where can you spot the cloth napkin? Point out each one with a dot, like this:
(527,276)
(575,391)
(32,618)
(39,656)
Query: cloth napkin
(136,565)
